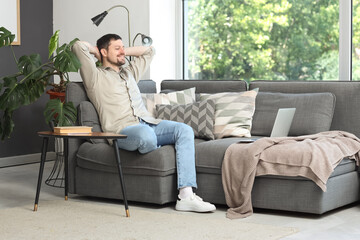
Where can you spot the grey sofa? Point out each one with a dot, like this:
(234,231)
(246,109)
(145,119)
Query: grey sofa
(152,177)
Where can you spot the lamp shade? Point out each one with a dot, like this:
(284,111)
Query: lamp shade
(98,18)
(146,40)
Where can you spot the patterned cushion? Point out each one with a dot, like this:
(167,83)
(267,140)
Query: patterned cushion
(233,113)
(180,97)
(199,115)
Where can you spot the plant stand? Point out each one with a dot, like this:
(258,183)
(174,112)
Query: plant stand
(56,177)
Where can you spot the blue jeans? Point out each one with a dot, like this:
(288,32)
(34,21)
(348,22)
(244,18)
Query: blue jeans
(146,137)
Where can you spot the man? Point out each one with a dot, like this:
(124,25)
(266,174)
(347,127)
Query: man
(113,91)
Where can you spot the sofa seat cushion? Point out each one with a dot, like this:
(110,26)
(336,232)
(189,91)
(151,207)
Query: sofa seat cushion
(345,166)
(101,157)
(210,154)
(314,112)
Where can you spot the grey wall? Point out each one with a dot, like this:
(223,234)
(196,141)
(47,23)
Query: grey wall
(36,18)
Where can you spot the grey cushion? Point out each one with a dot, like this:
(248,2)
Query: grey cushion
(89,117)
(199,115)
(346,117)
(101,157)
(314,112)
(210,155)
(147,86)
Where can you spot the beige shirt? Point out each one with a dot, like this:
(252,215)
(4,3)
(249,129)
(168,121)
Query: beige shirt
(115,96)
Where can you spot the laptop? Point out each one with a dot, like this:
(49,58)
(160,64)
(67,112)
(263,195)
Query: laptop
(282,124)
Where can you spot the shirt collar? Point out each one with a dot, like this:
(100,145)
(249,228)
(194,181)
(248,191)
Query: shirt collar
(110,69)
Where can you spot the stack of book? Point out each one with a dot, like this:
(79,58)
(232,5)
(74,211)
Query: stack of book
(72,129)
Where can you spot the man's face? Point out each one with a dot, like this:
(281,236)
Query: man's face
(115,53)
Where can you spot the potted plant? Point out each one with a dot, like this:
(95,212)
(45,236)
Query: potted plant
(31,80)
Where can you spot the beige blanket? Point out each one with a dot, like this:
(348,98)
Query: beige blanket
(311,156)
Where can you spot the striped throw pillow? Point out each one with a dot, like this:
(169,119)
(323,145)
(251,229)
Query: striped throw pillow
(199,115)
(180,97)
(233,113)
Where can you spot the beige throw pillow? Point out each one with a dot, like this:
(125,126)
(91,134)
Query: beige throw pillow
(233,113)
(180,97)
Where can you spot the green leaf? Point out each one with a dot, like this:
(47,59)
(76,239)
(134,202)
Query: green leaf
(6,38)
(31,65)
(10,99)
(70,113)
(66,61)
(7,125)
(32,90)
(10,81)
(53,43)
(22,94)
(63,114)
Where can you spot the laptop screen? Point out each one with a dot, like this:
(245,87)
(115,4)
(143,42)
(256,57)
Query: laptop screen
(283,121)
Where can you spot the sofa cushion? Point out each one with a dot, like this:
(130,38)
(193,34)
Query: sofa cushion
(210,155)
(233,113)
(314,112)
(199,115)
(180,97)
(89,117)
(101,157)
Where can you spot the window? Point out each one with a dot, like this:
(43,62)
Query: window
(356,41)
(262,40)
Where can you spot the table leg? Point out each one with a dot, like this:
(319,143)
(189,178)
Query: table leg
(41,170)
(66,159)
(117,155)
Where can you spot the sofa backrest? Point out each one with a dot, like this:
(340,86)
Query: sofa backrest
(204,86)
(346,114)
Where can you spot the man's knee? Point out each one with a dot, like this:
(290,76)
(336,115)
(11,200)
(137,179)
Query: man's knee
(140,137)
(185,130)
(148,142)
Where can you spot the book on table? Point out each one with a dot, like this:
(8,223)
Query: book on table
(73,129)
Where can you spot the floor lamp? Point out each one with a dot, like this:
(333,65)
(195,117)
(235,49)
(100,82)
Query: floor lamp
(98,18)
(145,40)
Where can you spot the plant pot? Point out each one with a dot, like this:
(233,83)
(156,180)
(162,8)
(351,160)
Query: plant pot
(55,95)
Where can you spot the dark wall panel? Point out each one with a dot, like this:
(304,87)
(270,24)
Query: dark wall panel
(36,18)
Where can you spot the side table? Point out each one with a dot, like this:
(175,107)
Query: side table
(47,134)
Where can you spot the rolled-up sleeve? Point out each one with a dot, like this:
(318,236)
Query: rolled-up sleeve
(88,70)
(141,64)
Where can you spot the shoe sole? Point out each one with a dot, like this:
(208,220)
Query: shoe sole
(186,209)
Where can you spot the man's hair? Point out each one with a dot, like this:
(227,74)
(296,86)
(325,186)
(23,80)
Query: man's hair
(104,42)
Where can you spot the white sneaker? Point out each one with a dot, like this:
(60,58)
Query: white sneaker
(194,203)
